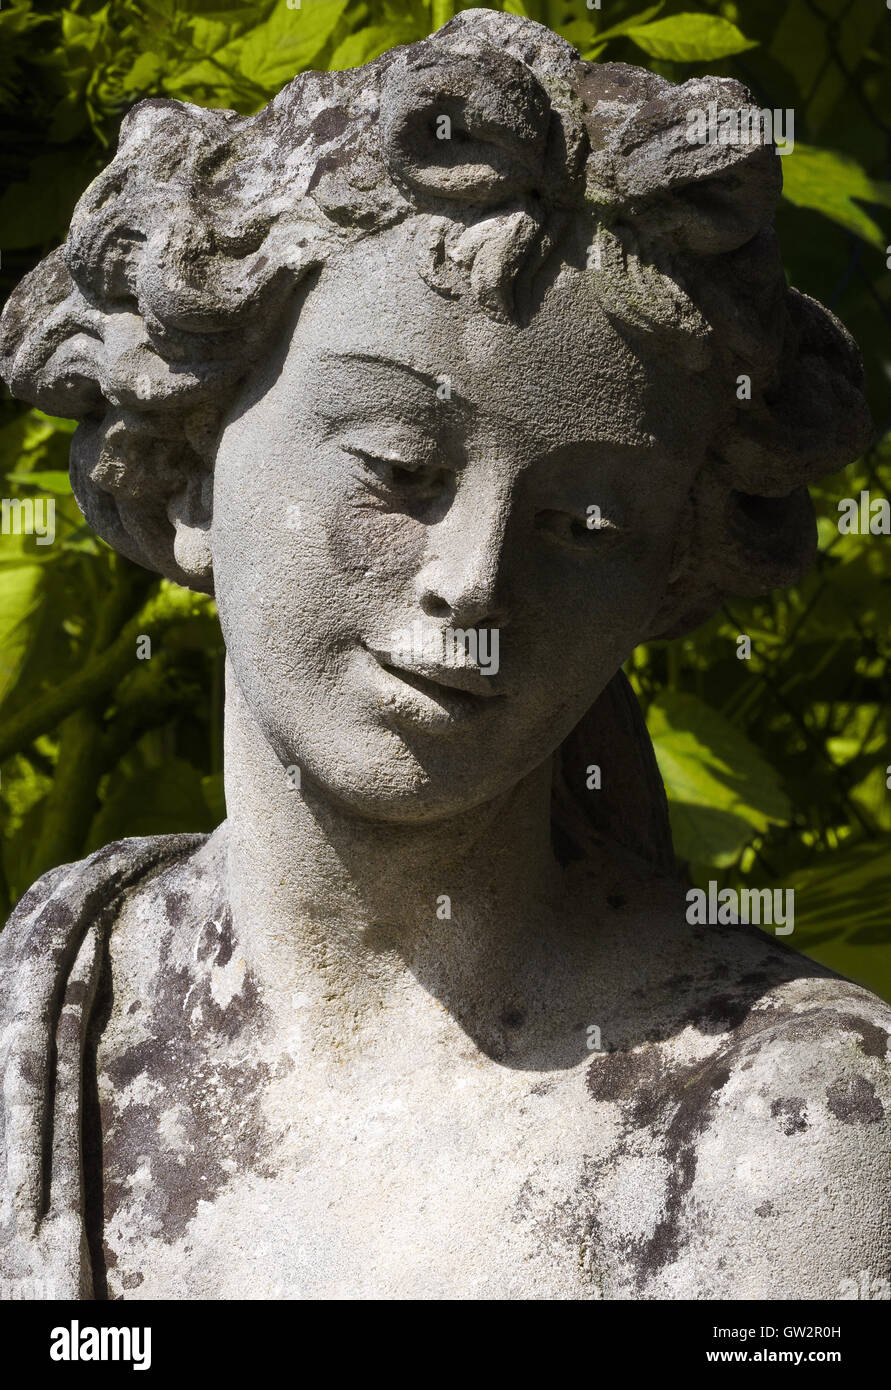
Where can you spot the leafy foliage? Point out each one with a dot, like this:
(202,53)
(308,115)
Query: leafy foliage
(775,766)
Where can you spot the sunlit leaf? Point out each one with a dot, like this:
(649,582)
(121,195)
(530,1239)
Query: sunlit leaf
(842,913)
(49,481)
(720,789)
(21,592)
(835,185)
(689,38)
(366,44)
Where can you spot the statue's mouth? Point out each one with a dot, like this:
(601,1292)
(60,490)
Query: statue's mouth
(456,682)
(458,690)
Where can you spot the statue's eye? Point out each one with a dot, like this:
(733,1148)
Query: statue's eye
(398,474)
(590,532)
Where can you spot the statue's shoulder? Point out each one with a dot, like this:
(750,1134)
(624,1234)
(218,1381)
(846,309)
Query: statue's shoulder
(801,1115)
(758,1082)
(49,921)
(757,992)
(823,1039)
(800,1056)
(795,1133)
(51,955)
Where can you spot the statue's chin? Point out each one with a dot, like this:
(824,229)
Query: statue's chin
(399,794)
(399,753)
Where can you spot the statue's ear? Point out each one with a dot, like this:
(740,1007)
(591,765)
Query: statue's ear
(149,497)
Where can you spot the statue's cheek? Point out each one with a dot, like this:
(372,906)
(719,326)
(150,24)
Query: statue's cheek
(373,543)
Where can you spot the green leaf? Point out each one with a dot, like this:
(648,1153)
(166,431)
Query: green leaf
(144,73)
(287,43)
(633,21)
(873,796)
(441,11)
(524,8)
(721,791)
(367,44)
(152,801)
(21,794)
(829,182)
(24,436)
(84,31)
(690,38)
(51,480)
(18,18)
(21,592)
(842,916)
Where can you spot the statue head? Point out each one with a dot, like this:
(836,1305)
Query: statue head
(469,339)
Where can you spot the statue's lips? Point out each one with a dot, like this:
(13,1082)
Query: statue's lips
(434,680)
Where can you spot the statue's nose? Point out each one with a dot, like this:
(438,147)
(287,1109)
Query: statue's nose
(463,577)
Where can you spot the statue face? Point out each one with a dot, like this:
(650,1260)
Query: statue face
(406,468)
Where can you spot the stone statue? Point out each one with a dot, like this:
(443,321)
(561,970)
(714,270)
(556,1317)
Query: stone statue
(429,373)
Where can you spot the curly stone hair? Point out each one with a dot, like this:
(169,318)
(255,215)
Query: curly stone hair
(187,250)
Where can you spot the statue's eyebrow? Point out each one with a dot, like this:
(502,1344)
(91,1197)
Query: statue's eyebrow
(428,380)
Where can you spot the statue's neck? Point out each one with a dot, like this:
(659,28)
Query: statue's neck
(329,905)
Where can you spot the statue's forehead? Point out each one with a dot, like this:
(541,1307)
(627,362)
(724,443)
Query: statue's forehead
(564,372)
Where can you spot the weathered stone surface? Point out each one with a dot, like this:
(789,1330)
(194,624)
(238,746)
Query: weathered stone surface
(355,379)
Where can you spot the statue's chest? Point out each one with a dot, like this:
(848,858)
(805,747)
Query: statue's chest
(462,1182)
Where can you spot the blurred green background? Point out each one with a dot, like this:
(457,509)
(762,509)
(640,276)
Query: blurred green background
(777,767)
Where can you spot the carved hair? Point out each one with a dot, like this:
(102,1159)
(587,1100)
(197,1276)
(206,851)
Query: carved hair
(189,247)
